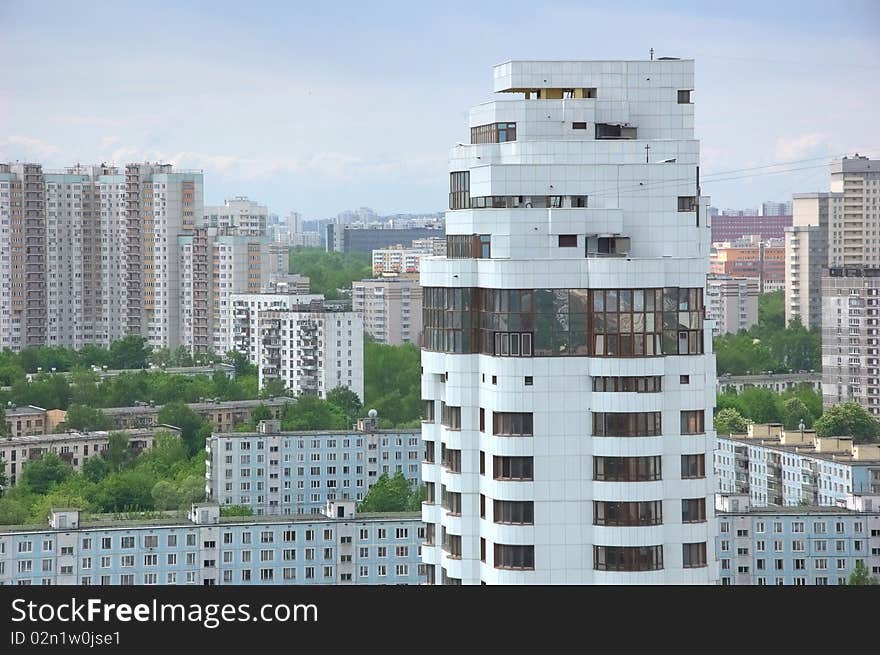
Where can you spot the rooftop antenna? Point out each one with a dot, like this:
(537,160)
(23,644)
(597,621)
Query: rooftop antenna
(652,54)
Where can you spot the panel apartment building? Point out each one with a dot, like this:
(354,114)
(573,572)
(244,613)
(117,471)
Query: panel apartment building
(799,545)
(337,547)
(571,295)
(276,472)
(92,253)
(215,264)
(391,308)
(836,229)
(789,467)
(311,350)
(72,447)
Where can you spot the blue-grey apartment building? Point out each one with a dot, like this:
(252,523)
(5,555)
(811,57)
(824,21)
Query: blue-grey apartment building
(796,545)
(276,473)
(203,548)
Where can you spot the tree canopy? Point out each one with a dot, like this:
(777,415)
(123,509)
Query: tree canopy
(765,406)
(769,346)
(848,419)
(393,383)
(392,494)
(328,272)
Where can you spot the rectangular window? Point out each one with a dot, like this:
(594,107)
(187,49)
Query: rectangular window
(626,424)
(514,557)
(687,203)
(568,241)
(693,466)
(450,416)
(626,469)
(693,510)
(514,512)
(578,125)
(693,555)
(692,422)
(512,468)
(512,424)
(460,190)
(684,96)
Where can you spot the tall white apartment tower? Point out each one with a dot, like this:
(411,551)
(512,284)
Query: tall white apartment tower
(568,377)
(163,204)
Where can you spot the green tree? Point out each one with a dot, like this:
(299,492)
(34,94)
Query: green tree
(241,363)
(95,468)
(329,273)
(12,512)
(847,419)
(730,421)
(771,310)
(84,388)
(191,490)
(3,480)
(273,388)
(260,413)
(760,405)
(861,577)
(312,413)
(346,400)
(118,453)
(795,411)
(40,474)
(131,351)
(179,415)
(165,495)
(236,510)
(389,494)
(81,417)
(392,382)
(125,491)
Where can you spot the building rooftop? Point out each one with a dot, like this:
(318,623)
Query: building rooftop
(308,433)
(24,410)
(220,405)
(77,435)
(179,519)
(801,449)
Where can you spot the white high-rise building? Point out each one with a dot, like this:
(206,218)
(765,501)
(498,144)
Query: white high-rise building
(249,218)
(242,318)
(311,351)
(216,263)
(391,308)
(568,376)
(163,204)
(86,244)
(731,303)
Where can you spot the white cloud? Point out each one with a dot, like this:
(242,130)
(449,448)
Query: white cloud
(800,147)
(23,148)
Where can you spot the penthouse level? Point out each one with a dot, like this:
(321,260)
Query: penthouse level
(276,472)
(204,548)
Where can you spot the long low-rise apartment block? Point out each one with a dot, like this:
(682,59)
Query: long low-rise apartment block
(803,545)
(781,467)
(71,447)
(275,472)
(205,548)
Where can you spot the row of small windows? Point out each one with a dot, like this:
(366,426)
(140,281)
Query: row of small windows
(605,424)
(605,469)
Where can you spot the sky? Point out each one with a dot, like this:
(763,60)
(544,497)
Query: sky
(319,107)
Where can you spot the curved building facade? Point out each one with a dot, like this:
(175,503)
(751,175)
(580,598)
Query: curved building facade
(568,379)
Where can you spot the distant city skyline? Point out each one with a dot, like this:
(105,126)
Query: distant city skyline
(302,112)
